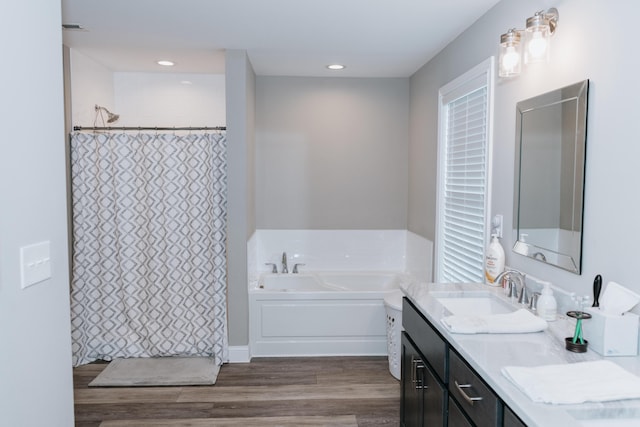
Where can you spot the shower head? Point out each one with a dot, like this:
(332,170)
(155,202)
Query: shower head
(111,118)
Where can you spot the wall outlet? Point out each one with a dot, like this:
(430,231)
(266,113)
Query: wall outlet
(35,263)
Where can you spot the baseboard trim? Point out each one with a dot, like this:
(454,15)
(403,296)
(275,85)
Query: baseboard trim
(239,354)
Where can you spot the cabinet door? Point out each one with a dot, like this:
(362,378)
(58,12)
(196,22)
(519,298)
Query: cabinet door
(412,380)
(434,400)
(456,417)
(511,419)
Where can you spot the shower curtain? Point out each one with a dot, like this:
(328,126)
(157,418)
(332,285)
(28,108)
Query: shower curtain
(149,242)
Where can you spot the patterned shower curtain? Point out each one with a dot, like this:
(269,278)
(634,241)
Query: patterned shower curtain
(149,242)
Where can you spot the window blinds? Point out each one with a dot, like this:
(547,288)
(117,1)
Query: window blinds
(463,198)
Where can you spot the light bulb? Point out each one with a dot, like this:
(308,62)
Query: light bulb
(511,59)
(537,46)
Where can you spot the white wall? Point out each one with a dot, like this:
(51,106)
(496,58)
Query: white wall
(578,52)
(165,99)
(35,362)
(91,85)
(331,153)
(145,99)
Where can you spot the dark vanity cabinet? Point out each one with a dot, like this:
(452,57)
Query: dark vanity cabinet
(424,372)
(438,387)
(423,397)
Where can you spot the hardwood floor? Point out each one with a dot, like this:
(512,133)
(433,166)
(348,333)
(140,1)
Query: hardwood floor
(316,391)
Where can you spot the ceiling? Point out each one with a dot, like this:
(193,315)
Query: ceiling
(373,38)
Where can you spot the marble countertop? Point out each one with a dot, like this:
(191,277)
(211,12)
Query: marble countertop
(489,353)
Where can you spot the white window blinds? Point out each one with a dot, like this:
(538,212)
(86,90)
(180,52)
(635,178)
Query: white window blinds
(463,178)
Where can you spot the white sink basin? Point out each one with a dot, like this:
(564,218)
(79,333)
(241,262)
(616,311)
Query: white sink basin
(475,305)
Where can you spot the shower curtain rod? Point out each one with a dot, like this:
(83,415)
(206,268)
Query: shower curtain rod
(125,128)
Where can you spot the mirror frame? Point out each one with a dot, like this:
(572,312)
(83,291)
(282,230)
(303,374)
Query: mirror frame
(568,261)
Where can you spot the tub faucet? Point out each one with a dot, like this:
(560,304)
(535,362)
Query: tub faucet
(274,269)
(284,263)
(513,278)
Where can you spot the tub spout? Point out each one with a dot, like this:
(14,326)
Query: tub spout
(284,263)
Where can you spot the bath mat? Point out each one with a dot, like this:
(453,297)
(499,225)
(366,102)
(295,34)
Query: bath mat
(158,371)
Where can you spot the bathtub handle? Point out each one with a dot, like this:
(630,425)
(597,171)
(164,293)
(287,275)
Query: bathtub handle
(295,268)
(274,268)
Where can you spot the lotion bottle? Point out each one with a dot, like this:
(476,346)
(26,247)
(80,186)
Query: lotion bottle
(494,261)
(547,306)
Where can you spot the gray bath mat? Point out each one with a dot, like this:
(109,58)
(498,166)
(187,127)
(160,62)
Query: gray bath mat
(158,371)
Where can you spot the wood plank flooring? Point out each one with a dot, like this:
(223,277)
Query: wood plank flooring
(304,391)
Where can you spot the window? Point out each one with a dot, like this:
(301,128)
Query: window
(464,147)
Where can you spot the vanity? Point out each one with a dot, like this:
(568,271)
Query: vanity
(455,379)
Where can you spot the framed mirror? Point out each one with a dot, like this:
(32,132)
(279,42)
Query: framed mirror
(551,132)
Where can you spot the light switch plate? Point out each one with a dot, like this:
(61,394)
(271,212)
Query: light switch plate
(35,263)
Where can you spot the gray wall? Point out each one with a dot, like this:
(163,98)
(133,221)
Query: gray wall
(240,89)
(578,52)
(35,363)
(331,153)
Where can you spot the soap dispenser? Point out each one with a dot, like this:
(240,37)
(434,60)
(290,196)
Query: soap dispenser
(547,306)
(494,261)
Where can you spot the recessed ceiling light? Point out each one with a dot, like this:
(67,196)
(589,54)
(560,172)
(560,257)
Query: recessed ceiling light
(166,63)
(336,67)
(186,82)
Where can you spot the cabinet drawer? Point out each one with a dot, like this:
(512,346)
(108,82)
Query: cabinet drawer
(476,399)
(428,341)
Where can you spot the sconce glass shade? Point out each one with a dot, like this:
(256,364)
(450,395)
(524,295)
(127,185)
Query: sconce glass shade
(510,61)
(537,35)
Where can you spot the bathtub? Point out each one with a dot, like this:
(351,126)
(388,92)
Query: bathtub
(320,313)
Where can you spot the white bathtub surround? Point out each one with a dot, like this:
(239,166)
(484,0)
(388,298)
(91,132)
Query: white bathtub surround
(334,306)
(336,250)
(341,250)
(419,257)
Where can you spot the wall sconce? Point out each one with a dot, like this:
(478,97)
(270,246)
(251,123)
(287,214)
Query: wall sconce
(510,53)
(537,33)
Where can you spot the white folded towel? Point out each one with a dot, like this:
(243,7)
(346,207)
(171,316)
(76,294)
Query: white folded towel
(598,381)
(520,321)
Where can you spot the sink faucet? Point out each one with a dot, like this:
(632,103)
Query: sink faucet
(513,278)
(284,263)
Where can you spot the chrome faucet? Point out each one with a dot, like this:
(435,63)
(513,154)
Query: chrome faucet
(284,263)
(513,278)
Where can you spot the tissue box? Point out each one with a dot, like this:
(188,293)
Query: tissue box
(610,334)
